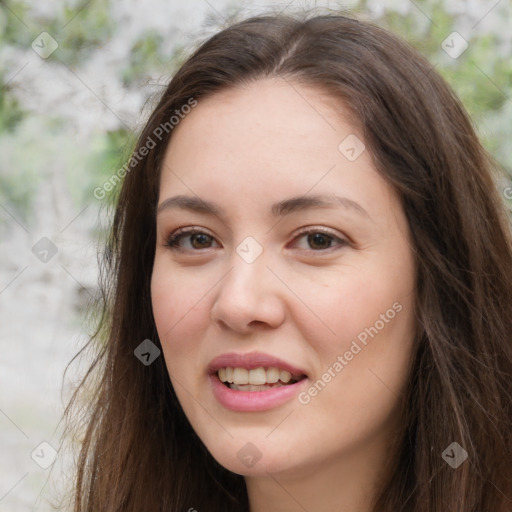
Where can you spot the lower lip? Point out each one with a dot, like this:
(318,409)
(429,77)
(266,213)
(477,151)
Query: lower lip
(253,400)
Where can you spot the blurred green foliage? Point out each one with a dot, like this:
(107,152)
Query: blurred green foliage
(145,57)
(82,30)
(10,111)
(481,76)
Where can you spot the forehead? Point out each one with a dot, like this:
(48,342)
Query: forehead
(268,123)
(269,104)
(266,141)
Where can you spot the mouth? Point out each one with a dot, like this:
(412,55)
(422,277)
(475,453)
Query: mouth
(254,381)
(257,379)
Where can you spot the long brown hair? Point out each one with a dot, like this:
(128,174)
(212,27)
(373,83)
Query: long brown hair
(138,451)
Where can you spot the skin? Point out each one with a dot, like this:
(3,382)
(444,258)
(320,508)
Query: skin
(305,302)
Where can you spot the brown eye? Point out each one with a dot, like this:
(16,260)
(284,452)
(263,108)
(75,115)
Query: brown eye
(318,240)
(189,240)
(200,240)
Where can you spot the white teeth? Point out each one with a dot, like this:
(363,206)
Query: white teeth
(258,376)
(255,377)
(249,387)
(272,374)
(285,376)
(240,376)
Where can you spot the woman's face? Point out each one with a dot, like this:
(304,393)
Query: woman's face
(299,267)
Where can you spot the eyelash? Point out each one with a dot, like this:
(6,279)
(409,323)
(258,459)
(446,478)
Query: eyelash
(173,239)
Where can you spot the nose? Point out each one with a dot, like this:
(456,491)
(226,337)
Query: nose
(249,297)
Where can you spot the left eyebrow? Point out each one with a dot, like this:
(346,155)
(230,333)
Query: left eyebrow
(280,209)
(318,201)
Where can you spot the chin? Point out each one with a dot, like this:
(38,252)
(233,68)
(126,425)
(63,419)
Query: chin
(248,460)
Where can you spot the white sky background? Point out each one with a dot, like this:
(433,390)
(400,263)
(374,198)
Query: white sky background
(40,319)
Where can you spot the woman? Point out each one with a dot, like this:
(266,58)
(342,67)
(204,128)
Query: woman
(310,288)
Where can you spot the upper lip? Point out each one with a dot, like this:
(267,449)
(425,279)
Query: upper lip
(250,361)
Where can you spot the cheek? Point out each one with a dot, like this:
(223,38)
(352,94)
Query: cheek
(180,314)
(368,319)
(179,309)
(358,395)
(343,306)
